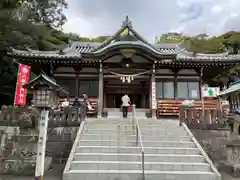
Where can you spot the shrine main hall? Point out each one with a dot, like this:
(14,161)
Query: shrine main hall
(157,77)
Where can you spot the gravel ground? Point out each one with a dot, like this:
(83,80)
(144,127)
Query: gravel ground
(56,174)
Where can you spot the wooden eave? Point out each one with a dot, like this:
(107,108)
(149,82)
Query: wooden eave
(191,64)
(28,60)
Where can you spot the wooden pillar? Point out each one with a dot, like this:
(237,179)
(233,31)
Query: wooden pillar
(175,80)
(152,95)
(77,91)
(100,92)
(150,92)
(77,71)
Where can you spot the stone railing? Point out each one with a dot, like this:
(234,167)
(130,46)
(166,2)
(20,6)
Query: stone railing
(27,117)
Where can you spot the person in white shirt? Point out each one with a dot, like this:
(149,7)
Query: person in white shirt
(125,104)
(65,103)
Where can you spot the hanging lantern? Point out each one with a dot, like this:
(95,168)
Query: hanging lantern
(123,80)
(128,79)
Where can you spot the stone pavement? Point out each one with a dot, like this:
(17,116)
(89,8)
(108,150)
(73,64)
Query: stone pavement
(56,174)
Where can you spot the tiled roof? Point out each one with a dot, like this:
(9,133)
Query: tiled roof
(76,49)
(159,51)
(233,88)
(48,80)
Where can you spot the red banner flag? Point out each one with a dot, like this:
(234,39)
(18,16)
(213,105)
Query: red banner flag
(23,78)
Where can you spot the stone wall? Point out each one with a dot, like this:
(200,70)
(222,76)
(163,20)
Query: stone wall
(18,152)
(214,142)
(59,143)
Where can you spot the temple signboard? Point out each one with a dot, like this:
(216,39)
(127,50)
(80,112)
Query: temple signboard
(210,91)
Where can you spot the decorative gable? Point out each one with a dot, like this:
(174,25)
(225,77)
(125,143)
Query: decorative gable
(126,33)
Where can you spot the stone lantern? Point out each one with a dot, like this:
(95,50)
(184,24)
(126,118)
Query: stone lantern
(45,92)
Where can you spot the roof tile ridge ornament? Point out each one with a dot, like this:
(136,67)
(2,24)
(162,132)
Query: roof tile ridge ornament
(182,51)
(19,51)
(71,47)
(29,50)
(126,23)
(61,51)
(13,50)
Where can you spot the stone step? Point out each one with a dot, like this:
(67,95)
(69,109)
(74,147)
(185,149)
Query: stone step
(151,132)
(133,137)
(112,114)
(129,124)
(129,121)
(159,133)
(131,128)
(126,165)
(107,131)
(128,133)
(186,144)
(108,121)
(129,150)
(137,157)
(137,175)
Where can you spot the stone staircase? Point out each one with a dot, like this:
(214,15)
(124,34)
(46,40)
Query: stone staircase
(107,150)
(115,113)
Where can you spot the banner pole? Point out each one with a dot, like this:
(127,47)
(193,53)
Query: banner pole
(16,84)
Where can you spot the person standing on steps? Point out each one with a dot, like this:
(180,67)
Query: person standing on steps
(125,104)
(81,106)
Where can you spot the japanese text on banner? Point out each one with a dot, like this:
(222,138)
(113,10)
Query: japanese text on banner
(23,78)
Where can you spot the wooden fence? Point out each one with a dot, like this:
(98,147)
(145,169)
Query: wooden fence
(171,107)
(27,117)
(209,118)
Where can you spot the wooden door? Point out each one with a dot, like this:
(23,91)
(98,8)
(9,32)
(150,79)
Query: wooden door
(110,101)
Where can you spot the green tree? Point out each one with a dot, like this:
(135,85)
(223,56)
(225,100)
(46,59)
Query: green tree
(201,43)
(27,24)
(170,38)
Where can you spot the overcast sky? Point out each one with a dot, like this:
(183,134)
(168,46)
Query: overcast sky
(152,18)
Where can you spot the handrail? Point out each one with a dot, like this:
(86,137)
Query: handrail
(71,154)
(138,138)
(203,153)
